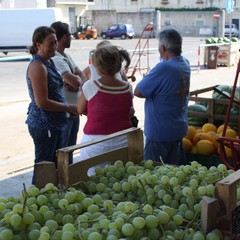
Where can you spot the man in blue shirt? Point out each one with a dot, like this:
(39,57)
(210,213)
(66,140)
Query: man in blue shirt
(166,90)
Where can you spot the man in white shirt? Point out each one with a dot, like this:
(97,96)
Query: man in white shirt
(73,78)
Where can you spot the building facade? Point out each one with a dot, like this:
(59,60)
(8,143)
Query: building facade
(140,12)
(137,5)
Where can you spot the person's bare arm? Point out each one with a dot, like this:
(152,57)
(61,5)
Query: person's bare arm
(39,79)
(137,93)
(82,105)
(81,75)
(72,81)
(123,74)
(87,72)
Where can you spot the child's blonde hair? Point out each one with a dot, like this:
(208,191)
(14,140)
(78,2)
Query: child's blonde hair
(103,43)
(108,59)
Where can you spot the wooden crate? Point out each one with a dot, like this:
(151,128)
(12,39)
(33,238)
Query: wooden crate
(210,115)
(66,174)
(223,211)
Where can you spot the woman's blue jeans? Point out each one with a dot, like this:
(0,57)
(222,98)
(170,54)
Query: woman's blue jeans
(46,143)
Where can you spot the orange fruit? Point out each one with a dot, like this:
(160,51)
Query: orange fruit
(207,127)
(220,128)
(191,132)
(200,136)
(205,147)
(187,144)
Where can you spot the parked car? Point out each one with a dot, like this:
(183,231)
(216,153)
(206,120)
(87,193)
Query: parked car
(119,30)
(234,30)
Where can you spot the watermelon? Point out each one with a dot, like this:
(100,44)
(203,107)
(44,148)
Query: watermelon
(227,40)
(208,41)
(227,90)
(220,40)
(219,108)
(234,39)
(214,40)
(196,121)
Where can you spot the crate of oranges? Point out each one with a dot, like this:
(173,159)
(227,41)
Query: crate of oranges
(200,144)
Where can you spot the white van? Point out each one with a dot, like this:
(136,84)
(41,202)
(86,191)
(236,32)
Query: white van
(17,26)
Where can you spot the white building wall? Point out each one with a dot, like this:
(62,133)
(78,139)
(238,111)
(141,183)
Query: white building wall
(23,4)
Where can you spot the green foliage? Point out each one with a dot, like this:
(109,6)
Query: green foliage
(162,9)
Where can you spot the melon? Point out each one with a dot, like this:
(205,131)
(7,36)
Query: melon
(212,135)
(220,128)
(214,40)
(230,133)
(205,147)
(209,127)
(227,150)
(187,144)
(200,136)
(234,39)
(227,90)
(191,132)
(215,141)
(219,108)
(194,149)
(196,121)
(227,40)
(208,41)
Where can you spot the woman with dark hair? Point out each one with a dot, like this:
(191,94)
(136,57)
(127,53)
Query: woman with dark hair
(47,111)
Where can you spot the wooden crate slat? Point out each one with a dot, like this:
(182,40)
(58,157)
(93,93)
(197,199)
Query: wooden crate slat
(78,171)
(134,152)
(135,146)
(208,213)
(62,167)
(226,191)
(45,172)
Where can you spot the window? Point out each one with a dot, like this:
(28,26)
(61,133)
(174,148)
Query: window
(165,1)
